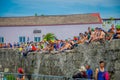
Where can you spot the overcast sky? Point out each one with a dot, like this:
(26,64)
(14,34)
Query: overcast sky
(107,8)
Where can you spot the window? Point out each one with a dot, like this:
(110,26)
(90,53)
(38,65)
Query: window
(37,39)
(1,39)
(22,39)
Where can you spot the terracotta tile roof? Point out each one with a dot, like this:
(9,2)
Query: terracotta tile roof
(93,18)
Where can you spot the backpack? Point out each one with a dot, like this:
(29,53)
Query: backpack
(106,76)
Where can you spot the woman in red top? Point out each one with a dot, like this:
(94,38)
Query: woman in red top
(33,48)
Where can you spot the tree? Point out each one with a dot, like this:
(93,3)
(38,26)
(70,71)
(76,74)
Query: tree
(110,21)
(111,18)
(42,15)
(36,14)
(49,37)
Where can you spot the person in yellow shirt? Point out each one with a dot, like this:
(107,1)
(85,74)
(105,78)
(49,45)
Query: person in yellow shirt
(20,49)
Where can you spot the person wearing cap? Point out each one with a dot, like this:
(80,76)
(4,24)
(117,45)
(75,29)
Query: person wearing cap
(83,72)
(80,74)
(20,74)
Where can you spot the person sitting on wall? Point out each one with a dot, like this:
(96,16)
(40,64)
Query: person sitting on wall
(4,45)
(92,36)
(78,37)
(20,49)
(108,36)
(117,35)
(51,46)
(61,44)
(66,46)
(83,39)
(0,45)
(56,45)
(110,33)
(29,48)
(87,35)
(9,45)
(33,47)
(112,29)
(14,45)
(75,38)
(38,47)
(73,44)
(46,48)
(17,45)
(102,36)
(42,45)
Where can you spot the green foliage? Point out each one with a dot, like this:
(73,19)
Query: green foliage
(111,18)
(42,15)
(109,22)
(49,37)
(118,26)
(10,77)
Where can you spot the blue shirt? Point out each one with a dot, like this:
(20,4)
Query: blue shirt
(89,73)
(101,75)
(20,76)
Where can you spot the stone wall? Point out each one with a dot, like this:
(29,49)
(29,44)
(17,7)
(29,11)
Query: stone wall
(65,63)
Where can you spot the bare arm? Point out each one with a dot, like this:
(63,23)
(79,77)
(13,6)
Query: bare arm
(23,78)
(96,74)
(17,79)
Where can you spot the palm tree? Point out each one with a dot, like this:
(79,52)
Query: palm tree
(49,37)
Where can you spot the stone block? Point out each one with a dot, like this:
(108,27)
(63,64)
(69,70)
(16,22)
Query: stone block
(6,69)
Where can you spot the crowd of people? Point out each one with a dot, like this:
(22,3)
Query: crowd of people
(87,73)
(91,35)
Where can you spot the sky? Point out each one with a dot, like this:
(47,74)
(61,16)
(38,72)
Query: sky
(16,8)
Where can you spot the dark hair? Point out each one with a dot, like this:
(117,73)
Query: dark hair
(101,62)
(88,65)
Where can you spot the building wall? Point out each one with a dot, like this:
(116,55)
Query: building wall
(12,34)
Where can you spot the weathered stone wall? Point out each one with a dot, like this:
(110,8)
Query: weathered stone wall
(68,62)
(11,60)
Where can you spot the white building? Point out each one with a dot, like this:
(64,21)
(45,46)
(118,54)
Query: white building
(20,29)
